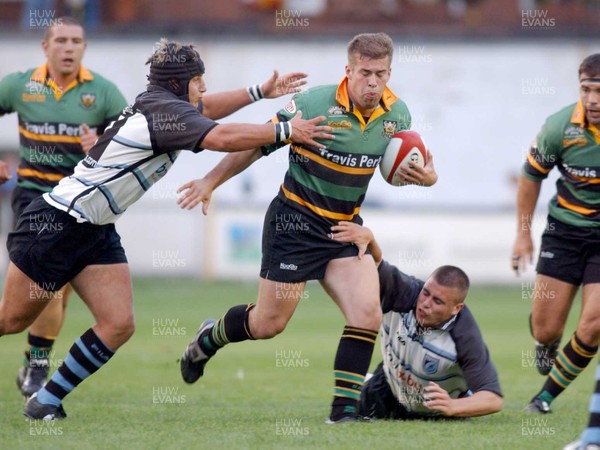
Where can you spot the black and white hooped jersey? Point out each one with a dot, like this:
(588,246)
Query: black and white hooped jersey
(135,152)
(452,355)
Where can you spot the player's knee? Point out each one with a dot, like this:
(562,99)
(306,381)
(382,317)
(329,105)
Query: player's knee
(546,334)
(12,325)
(368,317)
(588,331)
(122,329)
(268,328)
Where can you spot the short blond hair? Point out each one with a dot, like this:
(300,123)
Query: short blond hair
(371,45)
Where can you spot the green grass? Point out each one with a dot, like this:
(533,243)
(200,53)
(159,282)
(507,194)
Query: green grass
(247,400)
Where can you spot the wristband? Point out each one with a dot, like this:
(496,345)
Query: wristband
(283,132)
(255,92)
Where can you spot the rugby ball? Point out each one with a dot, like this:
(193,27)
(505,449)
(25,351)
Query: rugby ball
(405,148)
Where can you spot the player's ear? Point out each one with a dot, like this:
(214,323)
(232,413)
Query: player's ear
(457,308)
(347,69)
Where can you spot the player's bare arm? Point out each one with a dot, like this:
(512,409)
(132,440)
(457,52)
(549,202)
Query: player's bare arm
(238,137)
(479,404)
(221,104)
(361,236)
(421,176)
(527,196)
(5,174)
(200,190)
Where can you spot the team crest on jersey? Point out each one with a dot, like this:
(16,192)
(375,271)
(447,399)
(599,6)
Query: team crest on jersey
(291,107)
(430,364)
(88,100)
(574,131)
(389,128)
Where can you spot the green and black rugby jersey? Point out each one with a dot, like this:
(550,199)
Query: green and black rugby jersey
(331,183)
(50,120)
(571,144)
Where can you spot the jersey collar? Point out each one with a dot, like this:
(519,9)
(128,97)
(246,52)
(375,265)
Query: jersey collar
(387,99)
(40,74)
(578,118)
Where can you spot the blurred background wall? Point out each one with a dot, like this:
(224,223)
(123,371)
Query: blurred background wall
(479,78)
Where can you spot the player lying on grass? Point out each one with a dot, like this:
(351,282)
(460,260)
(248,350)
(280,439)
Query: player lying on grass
(435,362)
(68,235)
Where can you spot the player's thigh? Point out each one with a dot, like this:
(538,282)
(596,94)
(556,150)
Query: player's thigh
(22,301)
(588,329)
(552,300)
(106,290)
(353,284)
(275,305)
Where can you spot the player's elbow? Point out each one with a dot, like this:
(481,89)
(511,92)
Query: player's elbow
(494,403)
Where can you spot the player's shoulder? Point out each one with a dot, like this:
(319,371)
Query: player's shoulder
(561,118)
(465,323)
(18,77)
(101,80)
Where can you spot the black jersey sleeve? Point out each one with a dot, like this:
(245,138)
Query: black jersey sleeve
(473,355)
(398,291)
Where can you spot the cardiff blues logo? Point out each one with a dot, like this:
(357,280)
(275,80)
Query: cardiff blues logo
(389,128)
(88,100)
(430,364)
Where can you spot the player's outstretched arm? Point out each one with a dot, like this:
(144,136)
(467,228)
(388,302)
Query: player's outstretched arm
(360,236)
(478,404)
(232,137)
(200,190)
(527,197)
(221,104)
(421,176)
(5,174)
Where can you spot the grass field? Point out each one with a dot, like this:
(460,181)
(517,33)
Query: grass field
(270,394)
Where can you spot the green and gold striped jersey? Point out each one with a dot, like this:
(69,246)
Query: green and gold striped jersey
(50,120)
(573,145)
(331,183)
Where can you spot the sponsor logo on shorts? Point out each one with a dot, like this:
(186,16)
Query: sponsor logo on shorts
(284,266)
(548,255)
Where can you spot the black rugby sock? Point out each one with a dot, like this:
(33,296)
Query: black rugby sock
(232,327)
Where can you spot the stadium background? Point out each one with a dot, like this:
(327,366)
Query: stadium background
(479,78)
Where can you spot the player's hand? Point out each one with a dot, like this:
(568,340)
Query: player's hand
(194,192)
(276,85)
(421,176)
(522,253)
(354,233)
(437,398)
(5,174)
(306,131)
(88,138)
